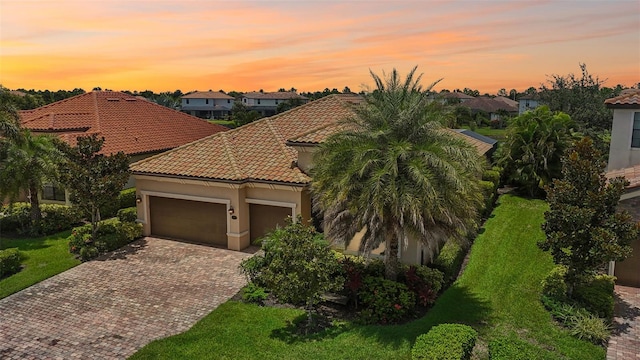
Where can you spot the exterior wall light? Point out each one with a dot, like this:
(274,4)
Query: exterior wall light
(138,199)
(231,211)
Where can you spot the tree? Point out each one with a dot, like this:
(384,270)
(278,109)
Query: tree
(503,92)
(289,104)
(93,179)
(299,265)
(27,162)
(583,230)
(396,172)
(241,114)
(533,148)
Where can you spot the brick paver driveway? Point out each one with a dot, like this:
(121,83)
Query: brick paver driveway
(625,338)
(109,308)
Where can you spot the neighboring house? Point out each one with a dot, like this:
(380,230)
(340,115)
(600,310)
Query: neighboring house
(455,97)
(139,128)
(527,103)
(624,160)
(233,187)
(494,107)
(207,104)
(267,103)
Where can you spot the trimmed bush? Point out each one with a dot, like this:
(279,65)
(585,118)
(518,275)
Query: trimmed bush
(489,193)
(129,214)
(55,218)
(10,260)
(597,295)
(127,198)
(553,285)
(16,217)
(384,301)
(513,348)
(492,176)
(425,282)
(111,235)
(450,260)
(254,294)
(445,342)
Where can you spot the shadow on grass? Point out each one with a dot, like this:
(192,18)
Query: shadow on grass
(125,251)
(30,243)
(294,331)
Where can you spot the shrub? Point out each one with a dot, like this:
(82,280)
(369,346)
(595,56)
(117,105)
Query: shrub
(353,272)
(252,268)
(374,267)
(489,193)
(597,295)
(10,260)
(587,326)
(56,218)
(513,348)
(553,285)
(450,260)
(254,294)
(385,301)
(127,198)
(129,214)
(16,217)
(445,342)
(493,176)
(424,282)
(112,234)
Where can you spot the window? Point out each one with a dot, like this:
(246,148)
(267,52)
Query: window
(228,101)
(187,101)
(206,101)
(51,192)
(258,101)
(635,135)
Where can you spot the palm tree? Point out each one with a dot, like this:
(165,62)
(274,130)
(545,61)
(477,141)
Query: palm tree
(397,172)
(26,164)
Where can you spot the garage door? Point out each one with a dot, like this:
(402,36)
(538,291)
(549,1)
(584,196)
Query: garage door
(193,221)
(628,271)
(264,218)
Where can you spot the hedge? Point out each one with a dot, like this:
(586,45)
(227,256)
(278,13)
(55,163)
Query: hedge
(111,235)
(450,260)
(445,342)
(10,260)
(513,348)
(55,218)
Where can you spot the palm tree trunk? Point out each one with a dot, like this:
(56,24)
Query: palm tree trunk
(391,257)
(36,215)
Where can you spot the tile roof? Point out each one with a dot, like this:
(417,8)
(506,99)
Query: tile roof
(258,151)
(629,98)
(127,123)
(456,95)
(490,105)
(207,95)
(278,95)
(632,174)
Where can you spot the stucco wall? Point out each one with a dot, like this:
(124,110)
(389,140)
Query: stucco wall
(621,154)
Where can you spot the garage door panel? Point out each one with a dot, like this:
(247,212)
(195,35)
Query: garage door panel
(265,218)
(194,221)
(628,271)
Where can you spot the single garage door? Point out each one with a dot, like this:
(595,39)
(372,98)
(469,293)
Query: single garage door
(264,218)
(628,271)
(193,221)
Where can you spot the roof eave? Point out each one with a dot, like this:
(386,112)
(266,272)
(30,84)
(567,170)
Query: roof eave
(226,181)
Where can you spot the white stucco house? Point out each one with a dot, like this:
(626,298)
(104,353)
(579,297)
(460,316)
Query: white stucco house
(207,104)
(266,103)
(527,103)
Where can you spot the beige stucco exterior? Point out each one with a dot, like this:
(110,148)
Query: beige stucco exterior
(621,154)
(235,196)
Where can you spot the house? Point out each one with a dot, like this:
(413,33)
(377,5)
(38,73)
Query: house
(267,103)
(527,103)
(139,128)
(207,104)
(495,108)
(624,160)
(233,187)
(455,97)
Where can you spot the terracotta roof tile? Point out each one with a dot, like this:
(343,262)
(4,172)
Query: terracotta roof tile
(207,95)
(490,105)
(628,98)
(127,123)
(257,151)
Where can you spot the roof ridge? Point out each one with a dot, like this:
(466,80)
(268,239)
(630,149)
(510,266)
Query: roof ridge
(283,146)
(96,112)
(231,156)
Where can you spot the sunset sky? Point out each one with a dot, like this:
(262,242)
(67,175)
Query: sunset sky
(312,45)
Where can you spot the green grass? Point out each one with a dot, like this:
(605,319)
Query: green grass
(43,257)
(498,295)
(498,134)
(227,123)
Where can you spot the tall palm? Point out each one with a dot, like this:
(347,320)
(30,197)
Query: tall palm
(397,172)
(25,165)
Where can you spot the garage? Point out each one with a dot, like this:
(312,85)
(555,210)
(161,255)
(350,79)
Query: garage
(627,272)
(264,218)
(193,221)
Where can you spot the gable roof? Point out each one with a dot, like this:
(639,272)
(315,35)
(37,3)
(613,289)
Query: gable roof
(127,123)
(207,95)
(490,105)
(278,95)
(629,99)
(455,95)
(258,152)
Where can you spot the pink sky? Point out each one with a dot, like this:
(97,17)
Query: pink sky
(311,45)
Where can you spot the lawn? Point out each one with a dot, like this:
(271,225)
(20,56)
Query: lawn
(497,134)
(43,258)
(227,123)
(498,295)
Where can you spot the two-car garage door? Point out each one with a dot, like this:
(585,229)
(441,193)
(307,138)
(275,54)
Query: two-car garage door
(194,221)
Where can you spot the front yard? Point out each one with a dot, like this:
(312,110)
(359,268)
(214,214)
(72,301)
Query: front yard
(498,295)
(43,257)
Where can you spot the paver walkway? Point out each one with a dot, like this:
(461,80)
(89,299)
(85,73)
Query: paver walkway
(625,339)
(110,308)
